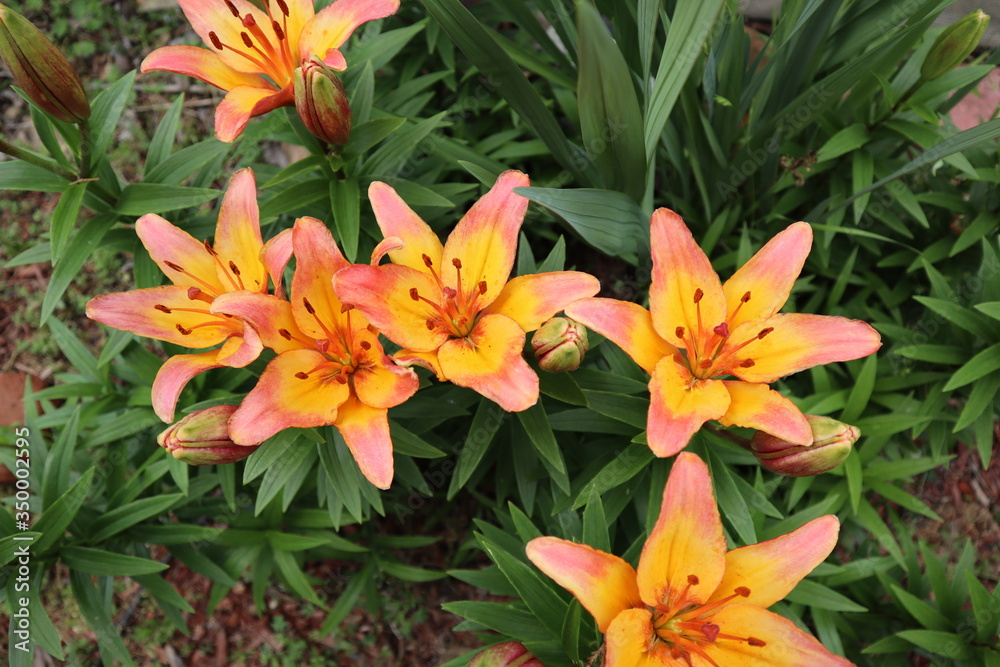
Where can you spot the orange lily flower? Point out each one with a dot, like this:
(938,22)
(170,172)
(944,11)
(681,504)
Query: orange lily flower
(330,367)
(200,272)
(451,307)
(698,331)
(254,53)
(691,602)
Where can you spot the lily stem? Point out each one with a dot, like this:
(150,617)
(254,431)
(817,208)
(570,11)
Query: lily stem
(37,160)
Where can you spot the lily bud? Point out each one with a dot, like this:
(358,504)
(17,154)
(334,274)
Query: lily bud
(832,442)
(322,103)
(40,69)
(202,438)
(560,345)
(954,45)
(507,654)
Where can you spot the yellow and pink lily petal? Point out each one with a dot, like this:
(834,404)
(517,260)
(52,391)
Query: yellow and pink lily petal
(711,349)
(253,53)
(181,313)
(689,601)
(451,307)
(331,368)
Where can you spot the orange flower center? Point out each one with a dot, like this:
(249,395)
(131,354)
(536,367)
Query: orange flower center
(455,310)
(270,55)
(686,628)
(709,352)
(342,357)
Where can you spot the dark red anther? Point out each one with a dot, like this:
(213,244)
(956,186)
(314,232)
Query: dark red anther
(163,309)
(706,364)
(284,333)
(679,332)
(208,248)
(698,294)
(365,345)
(427,261)
(753,641)
(693,580)
(302,376)
(283,7)
(745,297)
(414,294)
(430,325)
(764,332)
(247,40)
(346,307)
(216,42)
(457,263)
(235,269)
(746,363)
(232,8)
(482,287)
(743,591)
(175,267)
(309,308)
(278,31)
(184,332)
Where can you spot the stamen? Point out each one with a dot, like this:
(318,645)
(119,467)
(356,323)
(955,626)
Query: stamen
(232,8)
(216,42)
(346,308)
(283,7)
(427,261)
(457,263)
(764,332)
(482,287)
(743,591)
(184,332)
(692,580)
(747,363)
(365,345)
(173,266)
(414,294)
(753,641)
(277,30)
(309,308)
(235,269)
(247,40)
(340,379)
(745,298)
(162,308)
(430,325)
(208,246)
(302,376)
(706,364)
(679,332)
(698,294)
(284,333)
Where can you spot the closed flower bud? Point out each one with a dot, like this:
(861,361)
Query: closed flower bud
(322,103)
(560,345)
(832,442)
(39,68)
(954,45)
(202,438)
(507,654)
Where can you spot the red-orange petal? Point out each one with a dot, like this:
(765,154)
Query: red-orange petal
(237,236)
(759,407)
(283,399)
(173,376)
(680,270)
(628,325)
(603,583)
(379,383)
(201,64)
(631,642)
(428,360)
(382,294)
(243,103)
(769,275)
(333,25)
(396,218)
(240,350)
(168,245)
(485,240)
(267,314)
(275,256)
(317,258)
(161,313)
(489,361)
(208,16)
(797,342)
(777,642)
(678,406)
(684,557)
(768,571)
(366,432)
(530,300)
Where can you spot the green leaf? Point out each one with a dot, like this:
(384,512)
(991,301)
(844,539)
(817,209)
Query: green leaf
(115,521)
(487,421)
(814,594)
(846,140)
(925,614)
(960,316)
(345,200)
(366,135)
(106,109)
(862,173)
(411,573)
(281,472)
(731,501)
(610,117)
(947,644)
(108,563)
(163,139)
(406,443)
(143,198)
(392,157)
(543,602)
(56,518)
(610,221)
(536,424)
(629,463)
(478,44)
(690,28)
(295,577)
(185,162)
(64,218)
(88,599)
(55,473)
(272,449)
(347,600)
(19,175)
(980,365)
(595,524)
(80,247)
(508,619)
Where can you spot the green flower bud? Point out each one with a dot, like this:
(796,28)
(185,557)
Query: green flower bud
(507,654)
(954,45)
(39,68)
(202,438)
(832,442)
(560,345)
(322,103)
